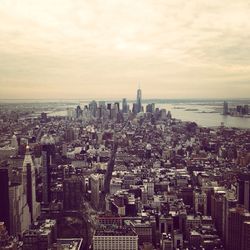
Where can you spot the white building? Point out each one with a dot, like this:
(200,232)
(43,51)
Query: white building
(115,238)
(14,142)
(29,171)
(95,189)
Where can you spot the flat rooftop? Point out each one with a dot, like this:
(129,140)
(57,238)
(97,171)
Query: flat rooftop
(114,231)
(72,243)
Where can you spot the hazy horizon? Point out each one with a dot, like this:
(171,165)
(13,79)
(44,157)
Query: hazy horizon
(145,100)
(71,49)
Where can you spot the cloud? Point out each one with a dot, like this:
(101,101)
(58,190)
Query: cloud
(106,47)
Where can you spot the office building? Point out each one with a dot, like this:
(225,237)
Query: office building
(246,109)
(44,117)
(95,190)
(115,185)
(93,108)
(166,242)
(139,101)
(117,106)
(14,142)
(243,190)
(166,224)
(124,105)
(229,201)
(41,236)
(6,200)
(236,227)
(225,108)
(4,197)
(115,237)
(246,236)
(14,208)
(78,112)
(149,184)
(28,166)
(72,193)
(150,108)
(217,199)
(48,153)
(71,113)
(143,230)
(177,240)
(200,202)
(114,112)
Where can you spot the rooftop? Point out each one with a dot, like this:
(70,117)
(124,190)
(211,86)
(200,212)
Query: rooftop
(112,230)
(72,244)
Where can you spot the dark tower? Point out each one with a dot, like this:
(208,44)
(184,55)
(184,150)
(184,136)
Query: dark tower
(244,190)
(48,154)
(4,197)
(124,105)
(138,101)
(78,112)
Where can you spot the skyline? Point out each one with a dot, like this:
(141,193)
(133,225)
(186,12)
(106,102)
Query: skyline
(84,50)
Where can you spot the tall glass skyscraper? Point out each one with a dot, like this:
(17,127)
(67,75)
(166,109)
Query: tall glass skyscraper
(138,101)
(124,105)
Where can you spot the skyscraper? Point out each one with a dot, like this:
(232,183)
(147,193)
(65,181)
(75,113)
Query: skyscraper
(124,105)
(117,106)
(225,108)
(78,111)
(150,108)
(14,210)
(236,230)
(245,235)
(138,101)
(93,108)
(14,142)
(95,190)
(243,190)
(4,197)
(48,152)
(72,193)
(229,202)
(29,167)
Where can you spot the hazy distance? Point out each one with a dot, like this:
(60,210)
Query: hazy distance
(104,49)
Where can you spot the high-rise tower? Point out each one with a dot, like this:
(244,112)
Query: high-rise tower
(237,228)
(14,142)
(30,183)
(48,153)
(124,105)
(243,190)
(4,198)
(78,112)
(138,100)
(14,205)
(225,108)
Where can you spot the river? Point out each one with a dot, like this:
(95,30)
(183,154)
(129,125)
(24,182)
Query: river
(206,114)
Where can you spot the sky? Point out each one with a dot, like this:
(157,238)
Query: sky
(66,49)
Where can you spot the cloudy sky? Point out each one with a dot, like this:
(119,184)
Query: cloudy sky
(105,48)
